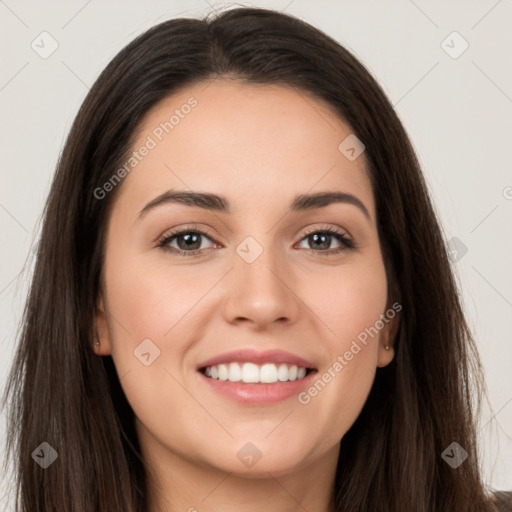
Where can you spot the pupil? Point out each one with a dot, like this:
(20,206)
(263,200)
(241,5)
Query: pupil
(323,238)
(189,241)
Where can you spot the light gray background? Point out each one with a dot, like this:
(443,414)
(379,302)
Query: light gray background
(456,110)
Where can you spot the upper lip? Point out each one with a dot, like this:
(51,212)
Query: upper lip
(257,357)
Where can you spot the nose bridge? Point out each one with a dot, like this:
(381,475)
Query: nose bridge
(259,289)
(256,265)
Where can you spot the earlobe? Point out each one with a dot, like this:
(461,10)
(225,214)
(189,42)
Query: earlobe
(386,355)
(101,342)
(386,341)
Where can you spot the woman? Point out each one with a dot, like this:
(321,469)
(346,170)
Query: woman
(242,299)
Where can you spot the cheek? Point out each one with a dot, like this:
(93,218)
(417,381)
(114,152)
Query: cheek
(146,305)
(348,299)
(150,300)
(349,302)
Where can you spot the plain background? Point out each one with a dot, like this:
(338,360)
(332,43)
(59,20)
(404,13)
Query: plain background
(457,112)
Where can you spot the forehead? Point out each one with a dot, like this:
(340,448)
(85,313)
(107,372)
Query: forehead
(249,142)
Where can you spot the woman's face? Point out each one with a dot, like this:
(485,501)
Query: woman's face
(265,296)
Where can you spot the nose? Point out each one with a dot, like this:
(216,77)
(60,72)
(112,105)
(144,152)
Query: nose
(261,293)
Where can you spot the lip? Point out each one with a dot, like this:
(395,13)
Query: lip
(257,394)
(257,357)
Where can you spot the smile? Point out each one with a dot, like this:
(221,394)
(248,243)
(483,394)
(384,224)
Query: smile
(268,373)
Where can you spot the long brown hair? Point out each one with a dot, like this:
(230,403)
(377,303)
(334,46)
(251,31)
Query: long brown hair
(61,393)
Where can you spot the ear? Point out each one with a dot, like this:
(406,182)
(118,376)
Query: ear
(387,338)
(102,342)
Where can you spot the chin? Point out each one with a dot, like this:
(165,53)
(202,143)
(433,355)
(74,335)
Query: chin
(253,460)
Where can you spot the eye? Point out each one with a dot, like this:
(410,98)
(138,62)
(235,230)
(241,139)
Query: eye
(188,241)
(185,241)
(320,240)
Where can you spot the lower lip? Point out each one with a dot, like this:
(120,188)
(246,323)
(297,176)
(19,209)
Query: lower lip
(258,393)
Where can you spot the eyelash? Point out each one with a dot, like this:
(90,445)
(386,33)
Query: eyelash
(346,242)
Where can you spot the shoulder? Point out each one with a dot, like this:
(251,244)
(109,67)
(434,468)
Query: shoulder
(502,500)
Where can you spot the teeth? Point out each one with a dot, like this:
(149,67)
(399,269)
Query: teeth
(267,373)
(282,372)
(250,373)
(223,372)
(235,372)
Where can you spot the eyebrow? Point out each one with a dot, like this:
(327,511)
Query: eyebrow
(221,204)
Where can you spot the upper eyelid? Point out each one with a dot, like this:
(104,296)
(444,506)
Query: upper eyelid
(337,230)
(208,232)
(186,229)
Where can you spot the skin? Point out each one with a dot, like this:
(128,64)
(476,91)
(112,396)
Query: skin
(259,146)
